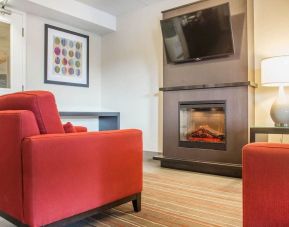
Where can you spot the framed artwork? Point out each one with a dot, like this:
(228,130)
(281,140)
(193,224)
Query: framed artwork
(66,57)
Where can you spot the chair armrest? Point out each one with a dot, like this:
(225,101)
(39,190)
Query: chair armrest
(266,184)
(66,174)
(14,126)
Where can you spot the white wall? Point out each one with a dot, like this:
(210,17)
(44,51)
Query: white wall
(68,98)
(132,64)
(271,39)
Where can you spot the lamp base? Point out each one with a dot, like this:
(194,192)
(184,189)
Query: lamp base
(280,110)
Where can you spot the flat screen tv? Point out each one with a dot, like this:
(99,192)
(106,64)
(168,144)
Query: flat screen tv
(198,35)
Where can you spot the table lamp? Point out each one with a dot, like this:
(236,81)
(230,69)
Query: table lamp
(275,73)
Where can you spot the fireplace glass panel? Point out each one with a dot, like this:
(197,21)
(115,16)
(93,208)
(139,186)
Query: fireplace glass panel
(203,125)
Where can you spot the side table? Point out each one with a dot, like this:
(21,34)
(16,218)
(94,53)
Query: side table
(266,130)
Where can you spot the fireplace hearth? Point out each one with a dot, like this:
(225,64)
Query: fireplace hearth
(202,124)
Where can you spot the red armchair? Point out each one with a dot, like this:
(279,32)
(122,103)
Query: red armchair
(48,175)
(266,185)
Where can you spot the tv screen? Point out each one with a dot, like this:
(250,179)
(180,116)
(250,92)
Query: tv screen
(199,35)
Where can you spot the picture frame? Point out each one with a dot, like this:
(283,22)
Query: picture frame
(66,57)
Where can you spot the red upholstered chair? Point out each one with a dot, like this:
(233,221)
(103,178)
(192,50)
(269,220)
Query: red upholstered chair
(47,175)
(266,185)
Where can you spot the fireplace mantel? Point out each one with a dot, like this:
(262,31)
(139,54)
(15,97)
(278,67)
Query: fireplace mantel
(206,86)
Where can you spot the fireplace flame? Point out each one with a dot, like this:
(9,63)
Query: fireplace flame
(206,134)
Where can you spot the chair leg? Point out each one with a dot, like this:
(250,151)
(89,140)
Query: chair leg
(137,203)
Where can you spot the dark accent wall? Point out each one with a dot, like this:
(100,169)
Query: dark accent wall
(223,70)
(230,78)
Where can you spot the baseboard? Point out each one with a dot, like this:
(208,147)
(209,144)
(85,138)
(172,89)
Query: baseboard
(216,168)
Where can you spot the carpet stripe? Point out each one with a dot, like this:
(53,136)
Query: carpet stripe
(231,186)
(206,219)
(165,218)
(224,202)
(204,182)
(214,207)
(195,209)
(126,221)
(196,190)
(113,220)
(146,220)
(175,215)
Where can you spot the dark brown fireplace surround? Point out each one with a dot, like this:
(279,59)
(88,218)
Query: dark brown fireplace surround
(208,107)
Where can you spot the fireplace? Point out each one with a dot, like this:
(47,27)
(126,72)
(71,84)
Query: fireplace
(202,124)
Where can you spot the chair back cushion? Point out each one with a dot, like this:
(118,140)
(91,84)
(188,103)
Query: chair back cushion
(41,103)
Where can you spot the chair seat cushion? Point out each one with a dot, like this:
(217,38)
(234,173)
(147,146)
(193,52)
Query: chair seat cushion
(41,103)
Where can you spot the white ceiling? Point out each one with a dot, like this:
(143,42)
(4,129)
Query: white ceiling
(118,7)
(70,12)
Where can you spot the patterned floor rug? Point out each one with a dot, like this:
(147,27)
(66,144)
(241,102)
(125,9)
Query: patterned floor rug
(179,198)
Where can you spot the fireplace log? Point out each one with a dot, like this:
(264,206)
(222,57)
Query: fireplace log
(206,131)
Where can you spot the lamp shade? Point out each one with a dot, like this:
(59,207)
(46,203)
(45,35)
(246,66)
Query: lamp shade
(275,71)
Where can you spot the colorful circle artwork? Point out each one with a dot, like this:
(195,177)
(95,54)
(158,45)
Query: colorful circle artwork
(77,72)
(71,54)
(71,62)
(57,50)
(57,41)
(64,70)
(67,57)
(64,52)
(57,69)
(64,61)
(57,60)
(71,71)
(63,42)
(77,54)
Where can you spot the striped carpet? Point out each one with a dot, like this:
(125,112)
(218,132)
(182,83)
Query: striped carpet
(176,198)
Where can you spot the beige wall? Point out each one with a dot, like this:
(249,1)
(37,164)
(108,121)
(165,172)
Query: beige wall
(271,39)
